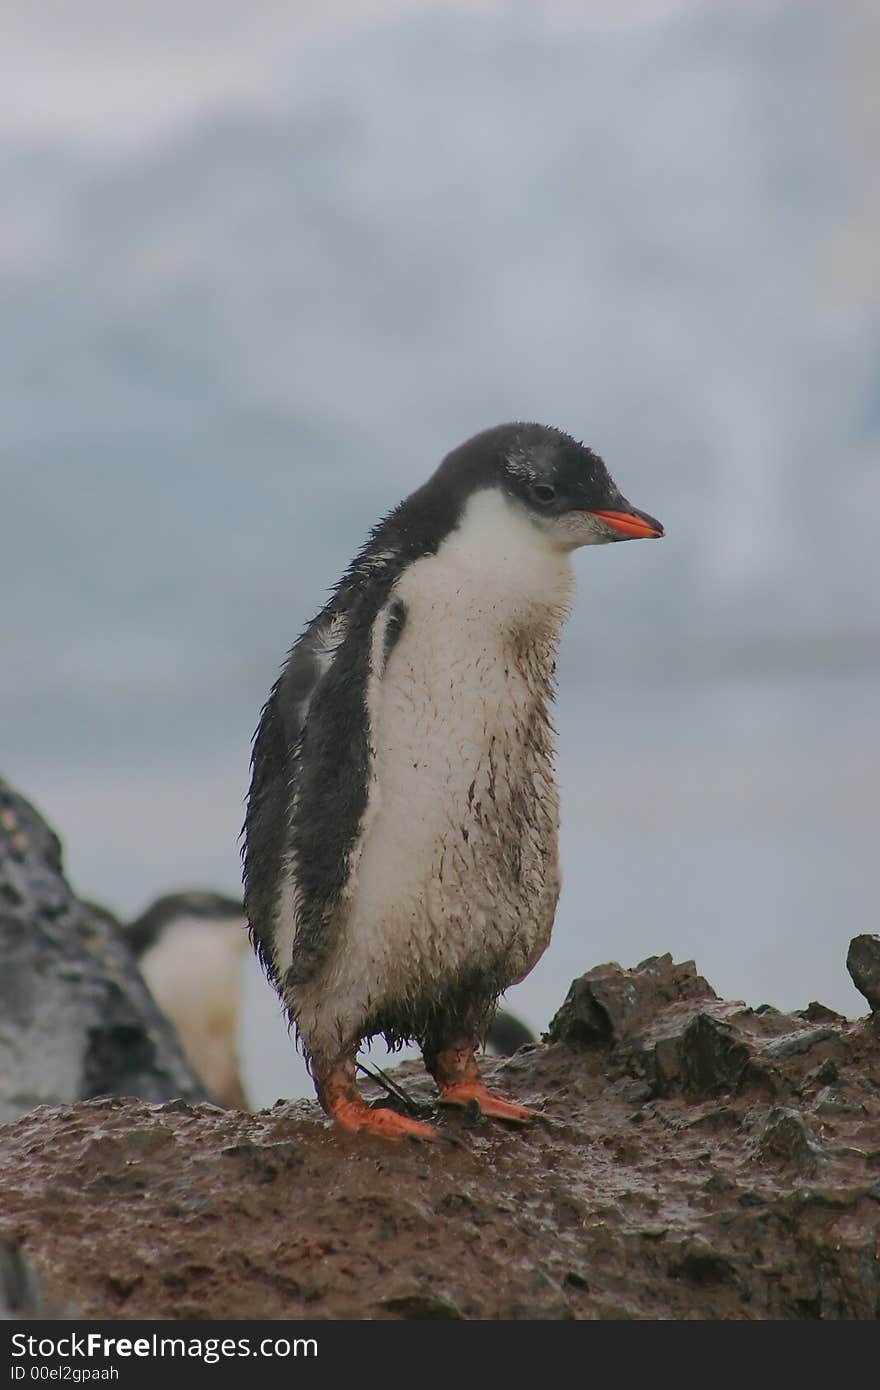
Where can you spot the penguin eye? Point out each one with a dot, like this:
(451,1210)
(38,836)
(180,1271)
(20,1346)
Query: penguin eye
(543,493)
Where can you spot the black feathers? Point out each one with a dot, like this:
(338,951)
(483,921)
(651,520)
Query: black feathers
(393,629)
(310,765)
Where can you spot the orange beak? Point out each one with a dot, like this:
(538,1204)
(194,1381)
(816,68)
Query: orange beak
(633,525)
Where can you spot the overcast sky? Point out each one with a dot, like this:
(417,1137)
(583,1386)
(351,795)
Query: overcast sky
(275,258)
(115,71)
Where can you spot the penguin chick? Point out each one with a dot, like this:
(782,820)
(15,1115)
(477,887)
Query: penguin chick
(400,842)
(190,947)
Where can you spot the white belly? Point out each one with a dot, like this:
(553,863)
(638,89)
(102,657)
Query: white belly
(456,865)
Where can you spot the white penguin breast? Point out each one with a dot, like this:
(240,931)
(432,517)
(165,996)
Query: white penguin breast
(456,864)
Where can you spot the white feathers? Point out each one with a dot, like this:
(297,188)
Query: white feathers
(193,971)
(286,913)
(455,865)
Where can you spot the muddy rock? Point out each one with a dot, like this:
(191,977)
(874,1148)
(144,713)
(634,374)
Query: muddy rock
(696,1259)
(422,1306)
(819,1013)
(732,1190)
(704,1055)
(796,1044)
(785,1137)
(20,1293)
(608,1004)
(76,1019)
(863,964)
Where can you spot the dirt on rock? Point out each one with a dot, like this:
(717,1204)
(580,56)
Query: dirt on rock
(694,1159)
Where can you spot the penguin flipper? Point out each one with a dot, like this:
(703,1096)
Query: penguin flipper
(307,796)
(310,768)
(274,791)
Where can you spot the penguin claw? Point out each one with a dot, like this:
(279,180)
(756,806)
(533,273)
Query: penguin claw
(355,1117)
(492,1106)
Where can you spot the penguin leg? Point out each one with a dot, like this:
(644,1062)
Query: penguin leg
(342,1101)
(454,1068)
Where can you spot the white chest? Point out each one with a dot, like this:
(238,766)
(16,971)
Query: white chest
(457,861)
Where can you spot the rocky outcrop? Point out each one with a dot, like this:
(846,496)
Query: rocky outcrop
(76,1019)
(863,964)
(694,1159)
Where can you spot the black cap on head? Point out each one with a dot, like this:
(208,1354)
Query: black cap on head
(552,477)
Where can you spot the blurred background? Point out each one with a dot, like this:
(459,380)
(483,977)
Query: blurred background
(261,266)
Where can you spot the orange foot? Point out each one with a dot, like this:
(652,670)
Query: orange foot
(492,1106)
(356,1117)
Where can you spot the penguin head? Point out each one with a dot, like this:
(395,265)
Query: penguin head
(560,487)
(566,491)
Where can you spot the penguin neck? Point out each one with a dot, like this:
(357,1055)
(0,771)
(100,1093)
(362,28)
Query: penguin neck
(506,567)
